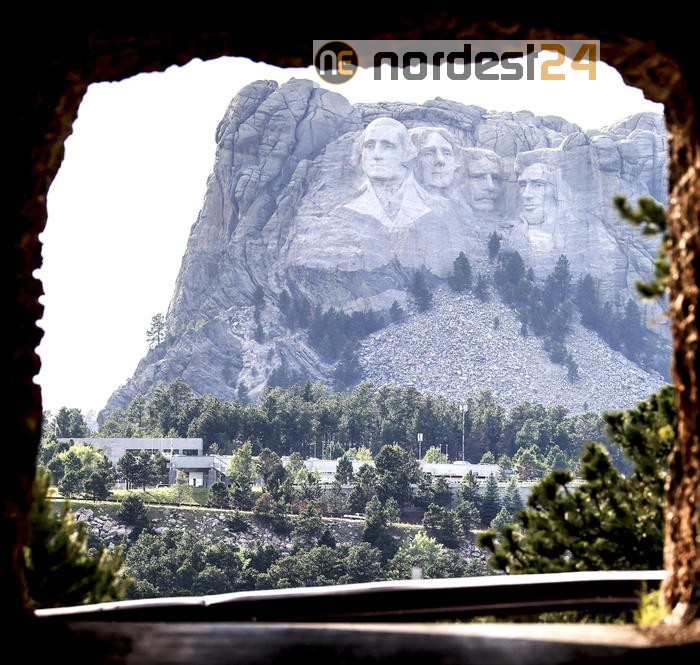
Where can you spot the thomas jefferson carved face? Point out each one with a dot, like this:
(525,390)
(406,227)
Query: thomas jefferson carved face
(537,193)
(484,182)
(436,162)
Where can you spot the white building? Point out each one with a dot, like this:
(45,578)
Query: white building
(451,472)
(116,448)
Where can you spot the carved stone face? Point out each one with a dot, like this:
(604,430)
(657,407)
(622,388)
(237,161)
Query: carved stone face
(536,193)
(638,149)
(383,154)
(484,183)
(606,153)
(436,162)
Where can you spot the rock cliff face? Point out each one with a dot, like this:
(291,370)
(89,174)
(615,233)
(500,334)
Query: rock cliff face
(316,200)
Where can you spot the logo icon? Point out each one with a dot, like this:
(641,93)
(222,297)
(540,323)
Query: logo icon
(336,62)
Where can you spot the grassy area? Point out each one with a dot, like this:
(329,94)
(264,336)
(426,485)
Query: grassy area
(187,496)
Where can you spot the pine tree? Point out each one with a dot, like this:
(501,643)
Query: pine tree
(155,335)
(58,566)
(396,312)
(376,529)
(343,471)
(348,370)
(469,489)
(490,502)
(559,282)
(512,501)
(422,296)
(218,496)
(588,303)
(132,512)
(468,516)
(611,521)
(460,278)
(481,288)
(494,245)
(504,517)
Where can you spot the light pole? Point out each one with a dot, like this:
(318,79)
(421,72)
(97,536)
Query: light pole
(420,441)
(463,408)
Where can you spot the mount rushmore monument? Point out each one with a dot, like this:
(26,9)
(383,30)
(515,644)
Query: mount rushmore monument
(322,205)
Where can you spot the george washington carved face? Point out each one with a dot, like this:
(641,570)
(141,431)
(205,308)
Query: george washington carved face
(385,150)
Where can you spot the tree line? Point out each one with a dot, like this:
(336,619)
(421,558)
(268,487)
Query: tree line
(313,420)
(610,521)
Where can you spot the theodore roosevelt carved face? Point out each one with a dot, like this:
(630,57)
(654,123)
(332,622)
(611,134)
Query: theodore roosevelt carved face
(483,182)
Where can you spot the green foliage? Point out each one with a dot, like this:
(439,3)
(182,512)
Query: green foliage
(545,310)
(494,245)
(528,463)
(443,525)
(142,469)
(502,518)
(366,487)
(424,556)
(622,328)
(242,475)
(132,512)
(421,293)
(333,332)
(434,456)
(363,563)
(181,563)
(318,566)
(468,515)
(272,512)
(490,502)
(310,416)
(397,469)
(611,521)
(235,522)
(469,488)
(343,471)
(376,529)
(308,529)
(481,288)
(396,312)
(652,610)
(59,568)
(219,496)
(156,333)
(512,501)
(70,423)
(273,474)
(651,217)
(460,278)
(348,370)
(81,470)
(183,492)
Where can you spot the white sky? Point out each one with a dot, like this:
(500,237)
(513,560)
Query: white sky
(133,180)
